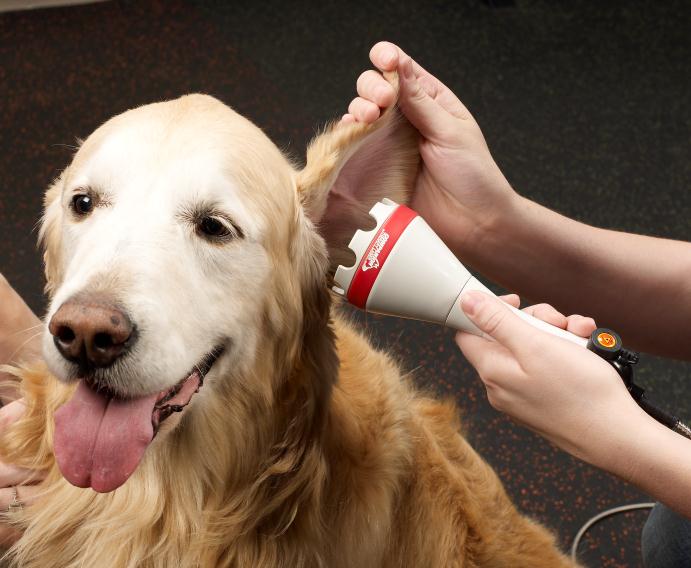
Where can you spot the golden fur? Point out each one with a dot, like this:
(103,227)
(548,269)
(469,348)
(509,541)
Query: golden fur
(317,454)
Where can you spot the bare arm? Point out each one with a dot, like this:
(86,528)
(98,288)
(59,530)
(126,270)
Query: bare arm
(637,285)
(20,335)
(20,332)
(656,460)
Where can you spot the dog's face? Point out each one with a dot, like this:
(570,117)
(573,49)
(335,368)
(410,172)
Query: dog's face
(166,215)
(168,241)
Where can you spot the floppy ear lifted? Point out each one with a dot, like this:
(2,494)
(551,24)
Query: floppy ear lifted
(352,166)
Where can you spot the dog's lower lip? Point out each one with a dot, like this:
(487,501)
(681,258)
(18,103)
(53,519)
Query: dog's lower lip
(162,409)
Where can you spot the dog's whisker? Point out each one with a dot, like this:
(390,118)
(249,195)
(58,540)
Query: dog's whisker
(412,371)
(23,344)
(21,331)
(69,146)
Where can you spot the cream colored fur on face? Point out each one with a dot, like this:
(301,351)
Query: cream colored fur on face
(305,447)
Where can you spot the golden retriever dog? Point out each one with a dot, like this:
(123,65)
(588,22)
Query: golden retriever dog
(202,401)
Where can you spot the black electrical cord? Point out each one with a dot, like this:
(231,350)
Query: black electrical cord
(663,417)
(607,344)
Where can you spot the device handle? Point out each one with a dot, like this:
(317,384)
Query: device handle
(458,320)
(549,328)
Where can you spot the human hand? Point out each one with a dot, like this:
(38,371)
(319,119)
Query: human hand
(460,190)
(20,336)
(563,392)
(17,485)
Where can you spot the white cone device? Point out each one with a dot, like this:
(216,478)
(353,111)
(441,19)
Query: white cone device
(403,269)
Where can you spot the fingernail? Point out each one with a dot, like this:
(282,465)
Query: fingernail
(407,68)
(390,55)
(381,93)
(471,301)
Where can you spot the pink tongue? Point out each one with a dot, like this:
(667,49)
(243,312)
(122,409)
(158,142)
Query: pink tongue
(99,441)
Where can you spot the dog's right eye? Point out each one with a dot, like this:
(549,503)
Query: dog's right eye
(212,227)
(82,205)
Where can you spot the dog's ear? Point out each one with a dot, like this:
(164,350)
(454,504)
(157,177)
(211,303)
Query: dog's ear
(50,235)
(349,168)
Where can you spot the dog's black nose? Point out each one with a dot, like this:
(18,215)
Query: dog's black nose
(91,330)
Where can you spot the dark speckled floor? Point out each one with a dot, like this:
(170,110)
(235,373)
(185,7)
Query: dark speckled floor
(584,104)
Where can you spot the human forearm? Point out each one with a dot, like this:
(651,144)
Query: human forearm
(637,285)
(20,332)
(652,457)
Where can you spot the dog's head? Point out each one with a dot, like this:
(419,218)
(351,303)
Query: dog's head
(177,243)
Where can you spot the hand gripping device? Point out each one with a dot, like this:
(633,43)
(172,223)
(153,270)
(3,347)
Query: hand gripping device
(402,268)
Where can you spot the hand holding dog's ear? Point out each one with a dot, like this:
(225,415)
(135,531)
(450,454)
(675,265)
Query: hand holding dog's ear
(459,187)
(424,99)
(350,167)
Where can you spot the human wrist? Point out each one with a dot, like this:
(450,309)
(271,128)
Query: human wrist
(617,444)
(656,460)
(494,230)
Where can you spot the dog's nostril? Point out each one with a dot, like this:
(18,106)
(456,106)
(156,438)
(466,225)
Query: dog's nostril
(91,331)
(103,341)
(66,334)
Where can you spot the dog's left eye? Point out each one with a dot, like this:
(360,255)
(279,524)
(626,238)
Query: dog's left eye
(82,205)
(213,227)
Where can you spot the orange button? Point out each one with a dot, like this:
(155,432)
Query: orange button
(606,340)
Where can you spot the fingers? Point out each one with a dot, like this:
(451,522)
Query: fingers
(575,324)
(373,87)
(547,313)
(363,110)
(511,299)
(26,495)
(489,357)
(12,475)
(385,55)
(495,319)
(580,325)
(426,101)
(423,112)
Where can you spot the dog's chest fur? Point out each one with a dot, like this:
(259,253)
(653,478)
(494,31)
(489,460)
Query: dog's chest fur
(391,482)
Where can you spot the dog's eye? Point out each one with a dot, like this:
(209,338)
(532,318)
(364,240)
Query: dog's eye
(213,227)
(82,204)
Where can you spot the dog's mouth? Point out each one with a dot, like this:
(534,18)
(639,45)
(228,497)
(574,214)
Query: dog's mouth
(100,439)
(176,398)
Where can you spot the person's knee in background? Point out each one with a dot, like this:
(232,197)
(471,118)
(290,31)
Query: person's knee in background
(666,539)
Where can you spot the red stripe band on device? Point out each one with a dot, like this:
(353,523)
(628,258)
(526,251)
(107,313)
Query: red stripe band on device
(376,254)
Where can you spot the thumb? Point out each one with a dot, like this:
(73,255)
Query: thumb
(423,112)
(493,317)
